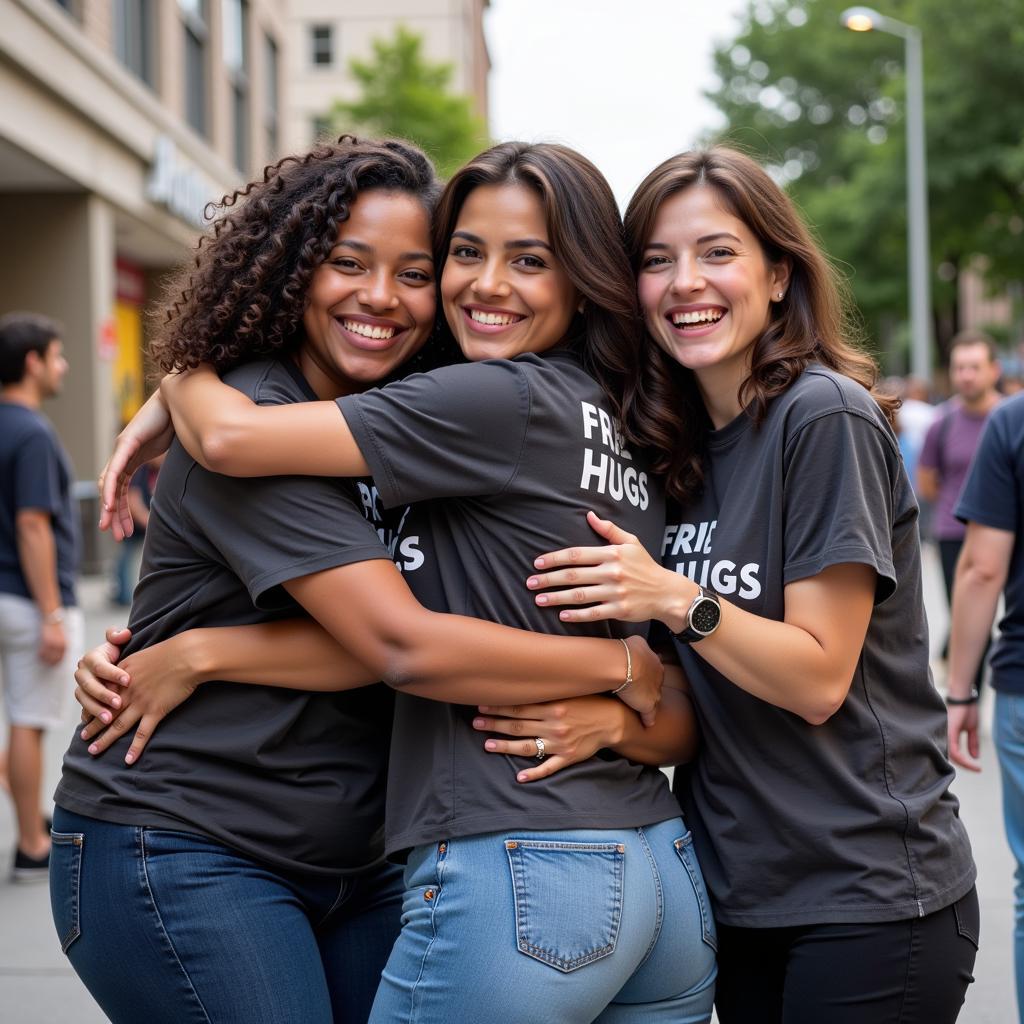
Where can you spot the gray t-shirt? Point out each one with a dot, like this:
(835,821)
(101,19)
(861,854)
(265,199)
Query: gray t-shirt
(513,454)
(35,473)
(851,820)
(291,778)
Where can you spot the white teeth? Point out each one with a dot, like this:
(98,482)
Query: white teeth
(493,319)
(368,330)
(698,316)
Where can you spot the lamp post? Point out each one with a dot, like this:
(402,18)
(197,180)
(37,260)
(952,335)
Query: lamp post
(864,19)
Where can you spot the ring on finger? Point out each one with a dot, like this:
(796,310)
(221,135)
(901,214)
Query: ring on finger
(541,753)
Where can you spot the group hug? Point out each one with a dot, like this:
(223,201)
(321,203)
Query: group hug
(481,504)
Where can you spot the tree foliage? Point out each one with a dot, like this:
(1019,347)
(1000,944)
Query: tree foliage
(824,107)
(404,94)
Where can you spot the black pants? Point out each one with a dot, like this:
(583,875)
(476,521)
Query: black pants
(896,972)
(949,552)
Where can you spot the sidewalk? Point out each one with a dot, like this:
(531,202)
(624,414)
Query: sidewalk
(38,987)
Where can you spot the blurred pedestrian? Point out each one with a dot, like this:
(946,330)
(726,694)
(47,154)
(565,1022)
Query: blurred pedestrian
(40,626)
(951,442)
(916,414)
(992,561)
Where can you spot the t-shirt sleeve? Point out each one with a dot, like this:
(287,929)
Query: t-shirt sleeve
(269,530)
(838,498)
(37,475)
(990,495)
(455,432)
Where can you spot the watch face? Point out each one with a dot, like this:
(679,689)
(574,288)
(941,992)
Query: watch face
(705,616)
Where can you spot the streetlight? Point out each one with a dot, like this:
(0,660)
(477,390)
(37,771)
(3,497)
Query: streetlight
(864,19)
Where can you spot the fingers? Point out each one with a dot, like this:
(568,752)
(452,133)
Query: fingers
(142,736)
(534,711)
(595,613)
(574,556)
(611,533)
(95,667)
(585,575)
(960,757)
(92,728)
(549,766)
(509,727)
(517,748)
(92,709)
(117,728)
(598,593)
(649,717)
(117,636)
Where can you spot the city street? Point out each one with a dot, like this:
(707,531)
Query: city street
(38,987)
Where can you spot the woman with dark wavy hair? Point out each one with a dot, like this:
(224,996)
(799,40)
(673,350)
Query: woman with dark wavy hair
(840,873)
(576,898)
(236,872)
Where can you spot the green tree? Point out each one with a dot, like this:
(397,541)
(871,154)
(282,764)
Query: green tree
(403,94)
(824,107)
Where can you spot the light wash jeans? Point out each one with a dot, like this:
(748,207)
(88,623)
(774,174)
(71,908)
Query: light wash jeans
(169,927)
(549,927)
(1009,738)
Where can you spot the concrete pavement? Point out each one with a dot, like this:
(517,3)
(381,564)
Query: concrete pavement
(38,987)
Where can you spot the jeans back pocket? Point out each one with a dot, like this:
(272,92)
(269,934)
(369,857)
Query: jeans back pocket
(684,848)
(65,883)
(568,899)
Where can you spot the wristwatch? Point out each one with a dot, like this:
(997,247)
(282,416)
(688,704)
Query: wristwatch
(702,618)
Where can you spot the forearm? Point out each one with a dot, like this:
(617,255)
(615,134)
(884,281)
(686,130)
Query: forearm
(673,739)
(975,598)
(296,654)
(226,432)
(781,663)
(37,554)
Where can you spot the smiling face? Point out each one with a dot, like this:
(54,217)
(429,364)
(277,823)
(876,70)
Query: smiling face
(705,286)
(503,289)
(371,303)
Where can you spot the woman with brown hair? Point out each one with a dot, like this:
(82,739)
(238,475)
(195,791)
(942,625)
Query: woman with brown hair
(840,873)
(576,898)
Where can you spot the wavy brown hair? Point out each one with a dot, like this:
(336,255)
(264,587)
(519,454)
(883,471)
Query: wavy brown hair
(585,234)
(812,324)
(243,296)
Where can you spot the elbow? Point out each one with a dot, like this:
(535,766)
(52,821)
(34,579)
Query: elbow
(980,574)
(826,703)
(217,449)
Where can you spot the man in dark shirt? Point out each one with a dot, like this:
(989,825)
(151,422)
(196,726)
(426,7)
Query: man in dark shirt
(40,627)
(992,561)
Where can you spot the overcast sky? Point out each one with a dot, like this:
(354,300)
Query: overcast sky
(619,80)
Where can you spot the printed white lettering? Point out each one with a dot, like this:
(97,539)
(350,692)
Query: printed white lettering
(607,436)
(752,585)
(723,577)
(682,544)
(645,499)
(589,419)
(410,551)
(591,471)
(670,532)
(707,542)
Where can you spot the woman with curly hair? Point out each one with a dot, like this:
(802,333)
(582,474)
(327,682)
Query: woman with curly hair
(840,873)
(576,898)
(236,872)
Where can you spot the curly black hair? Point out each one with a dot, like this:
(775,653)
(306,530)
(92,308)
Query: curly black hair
(244,293)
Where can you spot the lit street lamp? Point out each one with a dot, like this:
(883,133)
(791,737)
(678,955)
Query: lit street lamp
(864,19)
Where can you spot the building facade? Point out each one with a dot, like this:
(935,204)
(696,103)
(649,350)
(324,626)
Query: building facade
(324,36)
(120,121)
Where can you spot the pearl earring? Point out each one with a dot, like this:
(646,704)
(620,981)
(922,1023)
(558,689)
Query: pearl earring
(780,296)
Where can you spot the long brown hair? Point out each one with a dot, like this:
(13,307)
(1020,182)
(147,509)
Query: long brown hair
(812,324)
(585,233)
(243,296)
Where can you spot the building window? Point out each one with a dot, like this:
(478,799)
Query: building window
(273,98)
(236,63)
(321,39)
(195,21)
(133,36)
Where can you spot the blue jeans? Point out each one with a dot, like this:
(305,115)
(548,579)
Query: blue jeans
(166,926)
(553,928)
(1009,737)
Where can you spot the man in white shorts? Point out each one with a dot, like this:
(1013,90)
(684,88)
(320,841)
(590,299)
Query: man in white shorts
(41,629)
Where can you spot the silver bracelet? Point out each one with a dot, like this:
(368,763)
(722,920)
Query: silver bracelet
(629,669)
